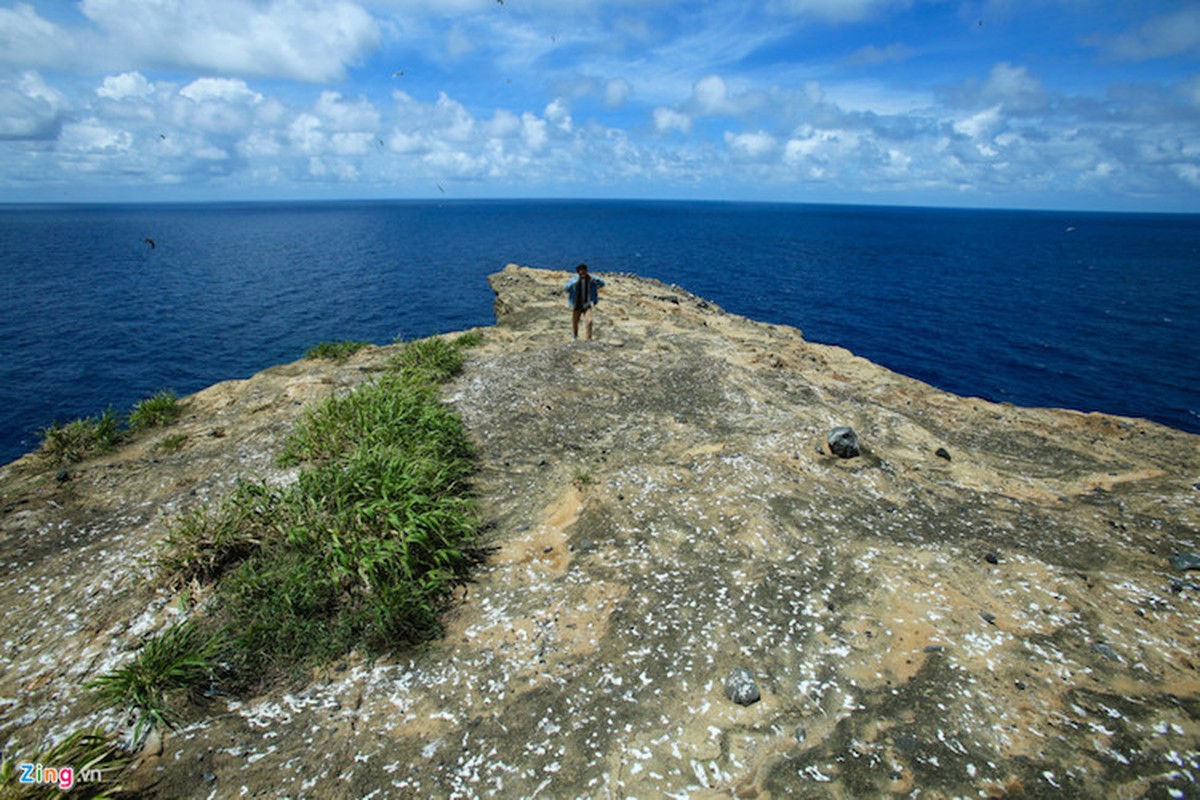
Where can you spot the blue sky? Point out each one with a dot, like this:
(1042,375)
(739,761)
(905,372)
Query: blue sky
(1080,104)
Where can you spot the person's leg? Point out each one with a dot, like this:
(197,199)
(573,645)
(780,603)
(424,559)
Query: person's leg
(575,314)
(588,320)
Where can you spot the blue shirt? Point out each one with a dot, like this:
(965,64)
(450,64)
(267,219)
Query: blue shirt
(572,288)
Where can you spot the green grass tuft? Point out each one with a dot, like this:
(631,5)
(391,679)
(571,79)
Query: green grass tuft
(427,361)
(95,758)
(155,412)
(173,443)
(182,659)
(468,340)
(80,438)
(90,436)
(335,351)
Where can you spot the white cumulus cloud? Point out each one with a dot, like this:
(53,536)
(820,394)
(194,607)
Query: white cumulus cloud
(753,145)
(124,86)
(304,40)
(28,39)
(339,114)
(224,90)
(668,119)
(30,109)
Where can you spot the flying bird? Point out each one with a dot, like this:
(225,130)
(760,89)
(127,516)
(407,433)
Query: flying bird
(150,242)
(398,73)
(443,191)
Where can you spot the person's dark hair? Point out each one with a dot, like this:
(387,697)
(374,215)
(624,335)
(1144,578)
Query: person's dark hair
(581,266)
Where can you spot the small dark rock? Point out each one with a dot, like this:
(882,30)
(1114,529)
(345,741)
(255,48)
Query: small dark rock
(1184,561)
(741,688)
(935,648)
(907,744)
(1020,685)
(988,617)
(1105,651)
(209,777)
(843,442)
(942,452)
(991,558)
(799,733)
(62,476)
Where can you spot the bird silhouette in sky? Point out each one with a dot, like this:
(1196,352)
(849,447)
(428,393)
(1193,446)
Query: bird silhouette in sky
(150,242)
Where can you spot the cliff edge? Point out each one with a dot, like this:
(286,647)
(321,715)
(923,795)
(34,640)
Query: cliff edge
(690,595)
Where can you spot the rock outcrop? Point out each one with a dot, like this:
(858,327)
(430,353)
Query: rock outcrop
(985,600)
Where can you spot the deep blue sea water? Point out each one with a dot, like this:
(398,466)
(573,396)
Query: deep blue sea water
(1082,310)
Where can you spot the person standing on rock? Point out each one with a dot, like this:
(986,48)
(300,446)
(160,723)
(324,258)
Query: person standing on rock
(583,292)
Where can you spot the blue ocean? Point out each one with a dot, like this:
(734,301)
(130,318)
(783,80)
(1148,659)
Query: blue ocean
(1092,311)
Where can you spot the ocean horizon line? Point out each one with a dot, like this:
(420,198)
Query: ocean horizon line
(434,200)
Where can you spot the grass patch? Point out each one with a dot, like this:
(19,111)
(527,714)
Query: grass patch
(155,412)
(469,339)
(173,443)
(90,436)
(80,438)
(582,478)
(363,549)
(179,661)
(335,351)
(93,757)
(205,542)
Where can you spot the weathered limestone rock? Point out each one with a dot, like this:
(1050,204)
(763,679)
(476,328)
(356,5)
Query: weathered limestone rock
(843,442)
(662,516)
(741,688)
(1185,561)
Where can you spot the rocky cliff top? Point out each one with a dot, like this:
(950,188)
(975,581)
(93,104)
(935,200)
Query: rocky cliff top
(690,594)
